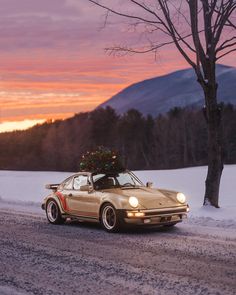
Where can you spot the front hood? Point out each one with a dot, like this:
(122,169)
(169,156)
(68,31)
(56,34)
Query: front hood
(149,198)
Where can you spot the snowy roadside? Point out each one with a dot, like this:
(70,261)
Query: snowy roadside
(23,191)
(191,182)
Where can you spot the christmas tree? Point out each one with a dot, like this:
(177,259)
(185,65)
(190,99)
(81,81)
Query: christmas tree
(102,160)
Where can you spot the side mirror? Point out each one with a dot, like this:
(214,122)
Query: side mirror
(149,184)
(86,188)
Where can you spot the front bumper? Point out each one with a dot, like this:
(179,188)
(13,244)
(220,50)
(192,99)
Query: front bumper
(162,216)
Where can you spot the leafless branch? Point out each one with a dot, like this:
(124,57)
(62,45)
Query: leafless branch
(124,14)
(170,24)
(226,53)
(230,24)
(226,9)
(228,43)
(160,18)
(124,49)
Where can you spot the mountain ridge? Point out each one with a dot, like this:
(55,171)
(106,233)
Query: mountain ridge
(177,89)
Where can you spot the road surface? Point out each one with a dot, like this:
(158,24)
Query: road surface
(79,258)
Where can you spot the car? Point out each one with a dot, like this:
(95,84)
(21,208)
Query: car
(114,200)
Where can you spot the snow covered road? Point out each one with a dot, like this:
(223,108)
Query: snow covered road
(78,258)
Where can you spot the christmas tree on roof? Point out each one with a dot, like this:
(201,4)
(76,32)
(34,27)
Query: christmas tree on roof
(102,160)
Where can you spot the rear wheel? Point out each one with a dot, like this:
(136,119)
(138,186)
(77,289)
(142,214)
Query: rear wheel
(109,218)
(53,213)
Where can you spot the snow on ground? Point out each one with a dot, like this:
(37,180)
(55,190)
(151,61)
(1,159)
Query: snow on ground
(25,190)
(191,181)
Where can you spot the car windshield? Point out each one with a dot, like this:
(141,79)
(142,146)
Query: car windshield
(123,180)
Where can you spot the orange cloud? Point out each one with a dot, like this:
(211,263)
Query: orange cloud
(53,62)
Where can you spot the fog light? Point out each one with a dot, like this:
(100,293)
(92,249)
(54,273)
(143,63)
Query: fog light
(130,214)
(139,214)
(147,220)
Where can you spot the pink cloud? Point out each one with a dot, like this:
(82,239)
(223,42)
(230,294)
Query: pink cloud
(56,47)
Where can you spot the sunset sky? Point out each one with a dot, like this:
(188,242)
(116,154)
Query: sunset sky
(53,62)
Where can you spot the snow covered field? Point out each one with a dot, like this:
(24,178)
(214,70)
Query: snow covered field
(191,181)
(26,190)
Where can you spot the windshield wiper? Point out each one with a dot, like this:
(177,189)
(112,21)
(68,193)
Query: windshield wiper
(129,186)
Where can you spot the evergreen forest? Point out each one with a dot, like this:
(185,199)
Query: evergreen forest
(174,140)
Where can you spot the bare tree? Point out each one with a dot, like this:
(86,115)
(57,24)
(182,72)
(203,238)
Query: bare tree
(203,31)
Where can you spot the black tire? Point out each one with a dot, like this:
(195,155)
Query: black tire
(109,218)
(53,212)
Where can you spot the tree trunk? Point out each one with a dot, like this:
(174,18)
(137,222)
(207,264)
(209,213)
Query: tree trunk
(215,150)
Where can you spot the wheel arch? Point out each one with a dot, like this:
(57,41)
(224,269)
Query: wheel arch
(103,204)
(56,199)
(117,201)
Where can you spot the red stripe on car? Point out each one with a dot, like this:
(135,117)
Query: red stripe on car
(63,201)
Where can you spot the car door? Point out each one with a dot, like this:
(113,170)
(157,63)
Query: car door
(83,203)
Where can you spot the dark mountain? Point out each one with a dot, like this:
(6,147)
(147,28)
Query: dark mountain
(178,89)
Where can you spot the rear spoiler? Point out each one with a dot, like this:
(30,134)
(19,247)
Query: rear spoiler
(52,186)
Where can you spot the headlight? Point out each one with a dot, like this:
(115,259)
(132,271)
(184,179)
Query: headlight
(133,201)
(181,198)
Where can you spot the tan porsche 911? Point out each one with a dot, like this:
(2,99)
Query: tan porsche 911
(114,200)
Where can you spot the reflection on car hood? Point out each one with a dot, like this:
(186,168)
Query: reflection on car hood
(149,198)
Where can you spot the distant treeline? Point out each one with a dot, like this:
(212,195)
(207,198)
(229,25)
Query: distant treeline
(177,139)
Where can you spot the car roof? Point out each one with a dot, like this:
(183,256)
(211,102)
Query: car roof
(82,173)
(90,173)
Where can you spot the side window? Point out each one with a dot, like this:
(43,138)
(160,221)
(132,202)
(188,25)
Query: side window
(68,184)
(79,181)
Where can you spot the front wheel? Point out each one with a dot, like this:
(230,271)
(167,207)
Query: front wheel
(109,218)
(53,213)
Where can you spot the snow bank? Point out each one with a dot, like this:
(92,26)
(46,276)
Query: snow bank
(191,181)
(26,190)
